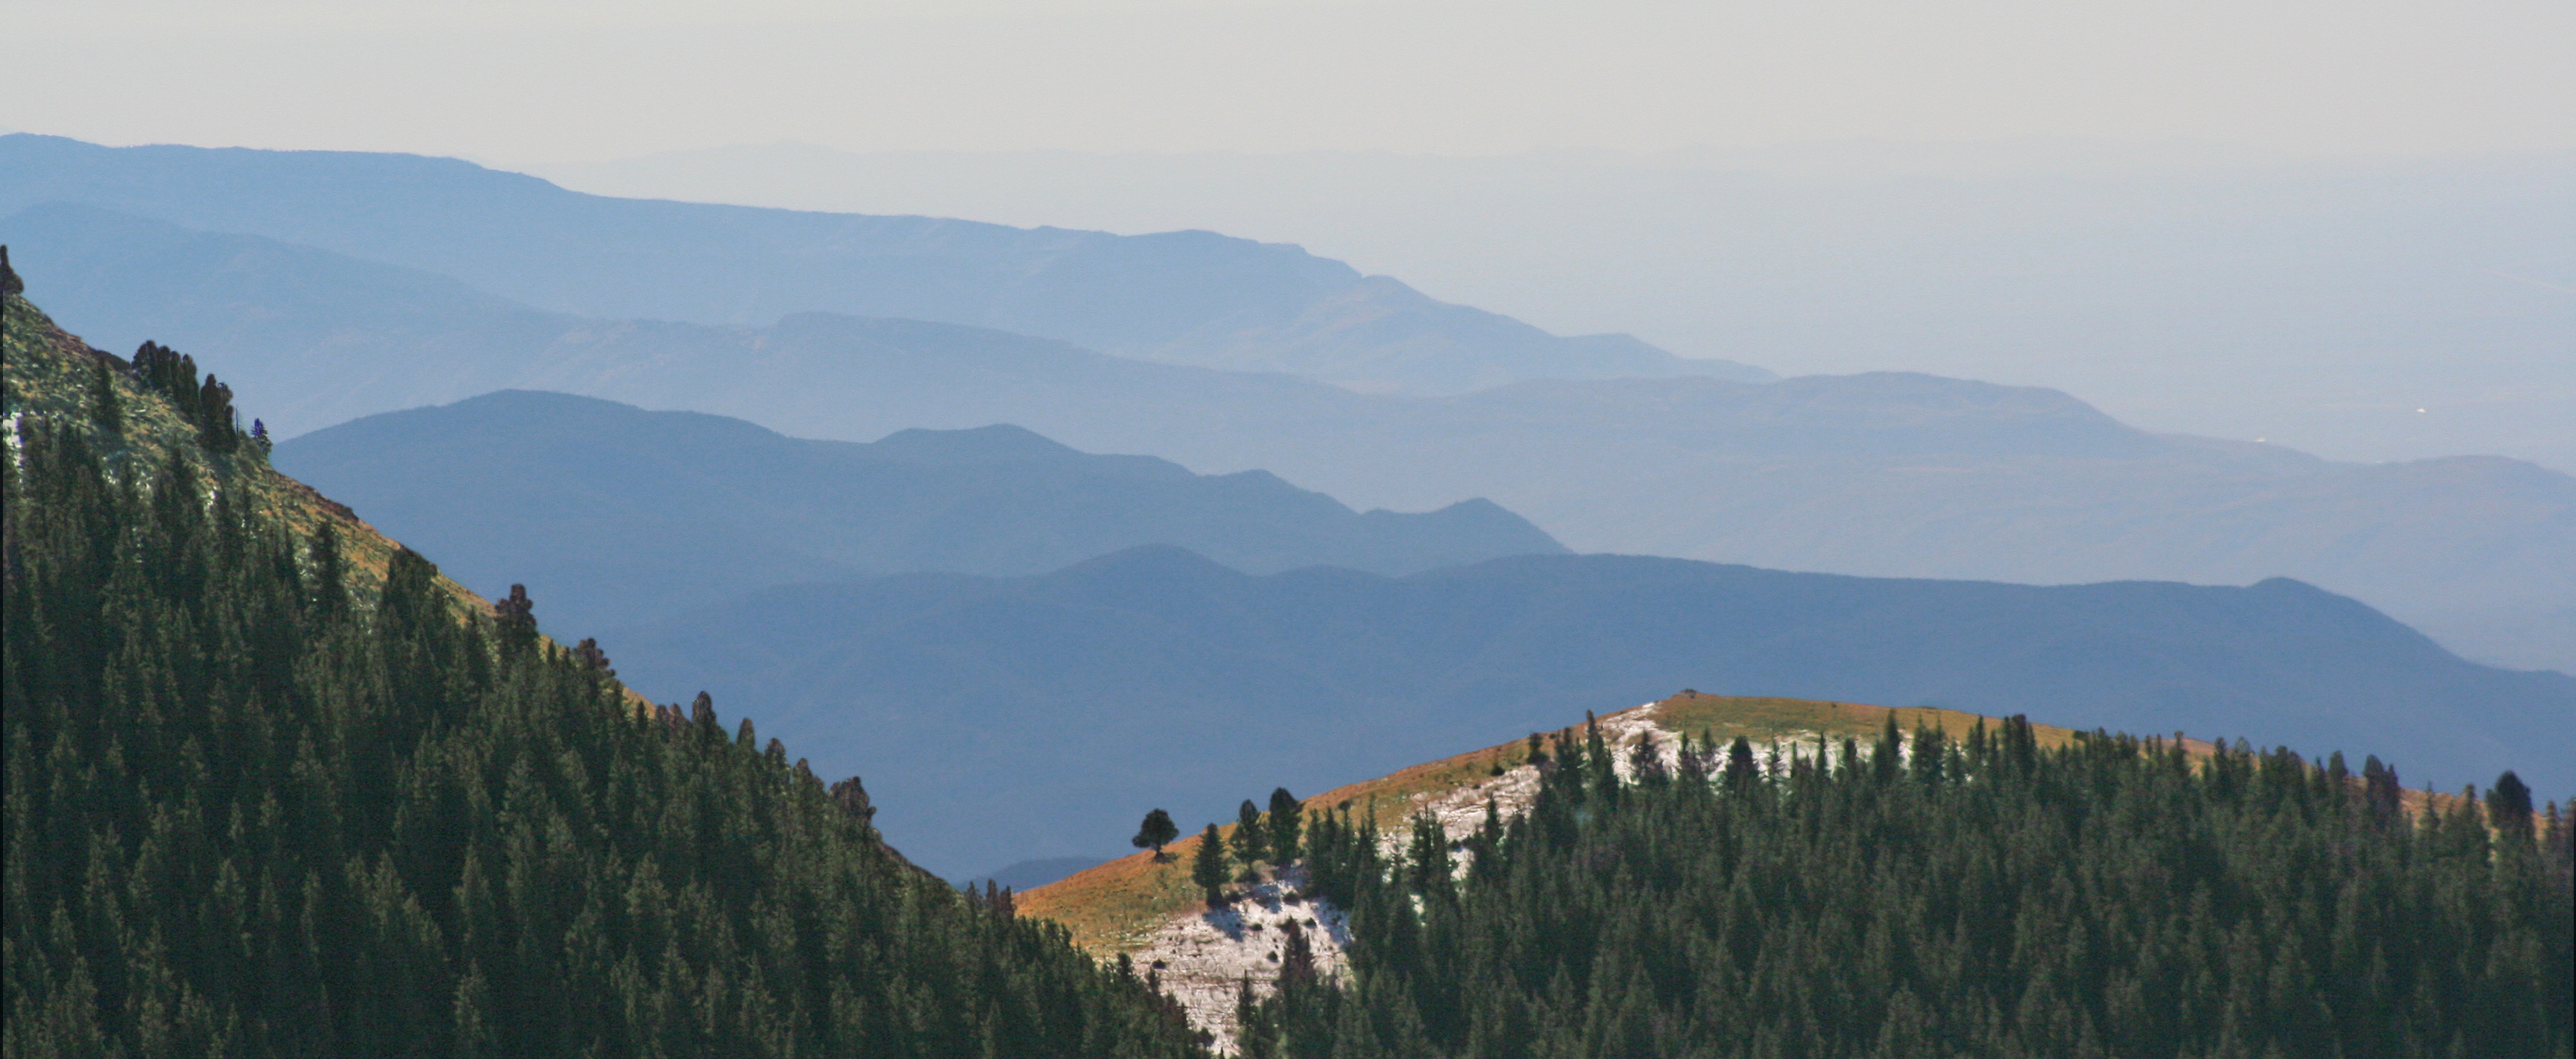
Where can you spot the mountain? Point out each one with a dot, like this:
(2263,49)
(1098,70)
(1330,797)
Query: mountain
(1184,297)
(311,799)
(1884,474)
(2197,288)
(1011,718)
(611,514)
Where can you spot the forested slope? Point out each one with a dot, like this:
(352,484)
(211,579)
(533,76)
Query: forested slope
(1926,896)
(261,803)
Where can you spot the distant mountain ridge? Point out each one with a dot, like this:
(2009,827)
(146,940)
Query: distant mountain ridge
(1183,297)
(613,515)
(1042,712)
(1885,474)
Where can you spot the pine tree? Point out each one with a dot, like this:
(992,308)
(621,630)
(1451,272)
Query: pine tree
(2509,809)
(1741,772)
(105,408)
(1287,826)
(1250,844)
(517,620)
(1156,832)
(1207,866)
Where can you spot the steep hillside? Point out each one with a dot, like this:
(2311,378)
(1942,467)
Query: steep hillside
(610,514)
(252,812)
(55,377)
(1886,474)
(1008,719)
(1185,297)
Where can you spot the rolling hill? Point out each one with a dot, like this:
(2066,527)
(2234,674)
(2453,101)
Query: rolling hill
(1035,717)
(612,515)
(1148,910)
(1131,903)
(1716,839)
(1184,297)
(1882,474)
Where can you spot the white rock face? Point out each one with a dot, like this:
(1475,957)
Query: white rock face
(1203,958)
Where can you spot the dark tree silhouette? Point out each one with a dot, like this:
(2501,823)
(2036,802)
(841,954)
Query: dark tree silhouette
(1156,832)
(1250,844)
(1740,771)
(103,402)
(1287,822)
(516,615)
(852,797)
(2509,808)
(1207,869)
(590,656)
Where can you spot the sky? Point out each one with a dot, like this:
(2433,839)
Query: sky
(558,81)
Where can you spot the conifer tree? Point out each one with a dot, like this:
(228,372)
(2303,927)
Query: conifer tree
(517,620)
(1287,826)
(2509,809)
(330,590)
(1741,772)
(1927,751)
(1207,866)
(1156,832)
(1250,843)
(1886,757)
(105,407)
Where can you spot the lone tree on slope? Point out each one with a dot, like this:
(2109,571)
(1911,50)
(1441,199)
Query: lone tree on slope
(1208,868)
(1158,831)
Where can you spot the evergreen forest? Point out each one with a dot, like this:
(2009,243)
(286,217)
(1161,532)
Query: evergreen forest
(266,800)
(1931,897)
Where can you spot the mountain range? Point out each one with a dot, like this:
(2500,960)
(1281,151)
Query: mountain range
(1185,297)
(612,515)
(2193,287)
(1882,474)
(1005,719)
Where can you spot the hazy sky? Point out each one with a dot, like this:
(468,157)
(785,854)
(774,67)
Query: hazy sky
(534,81)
